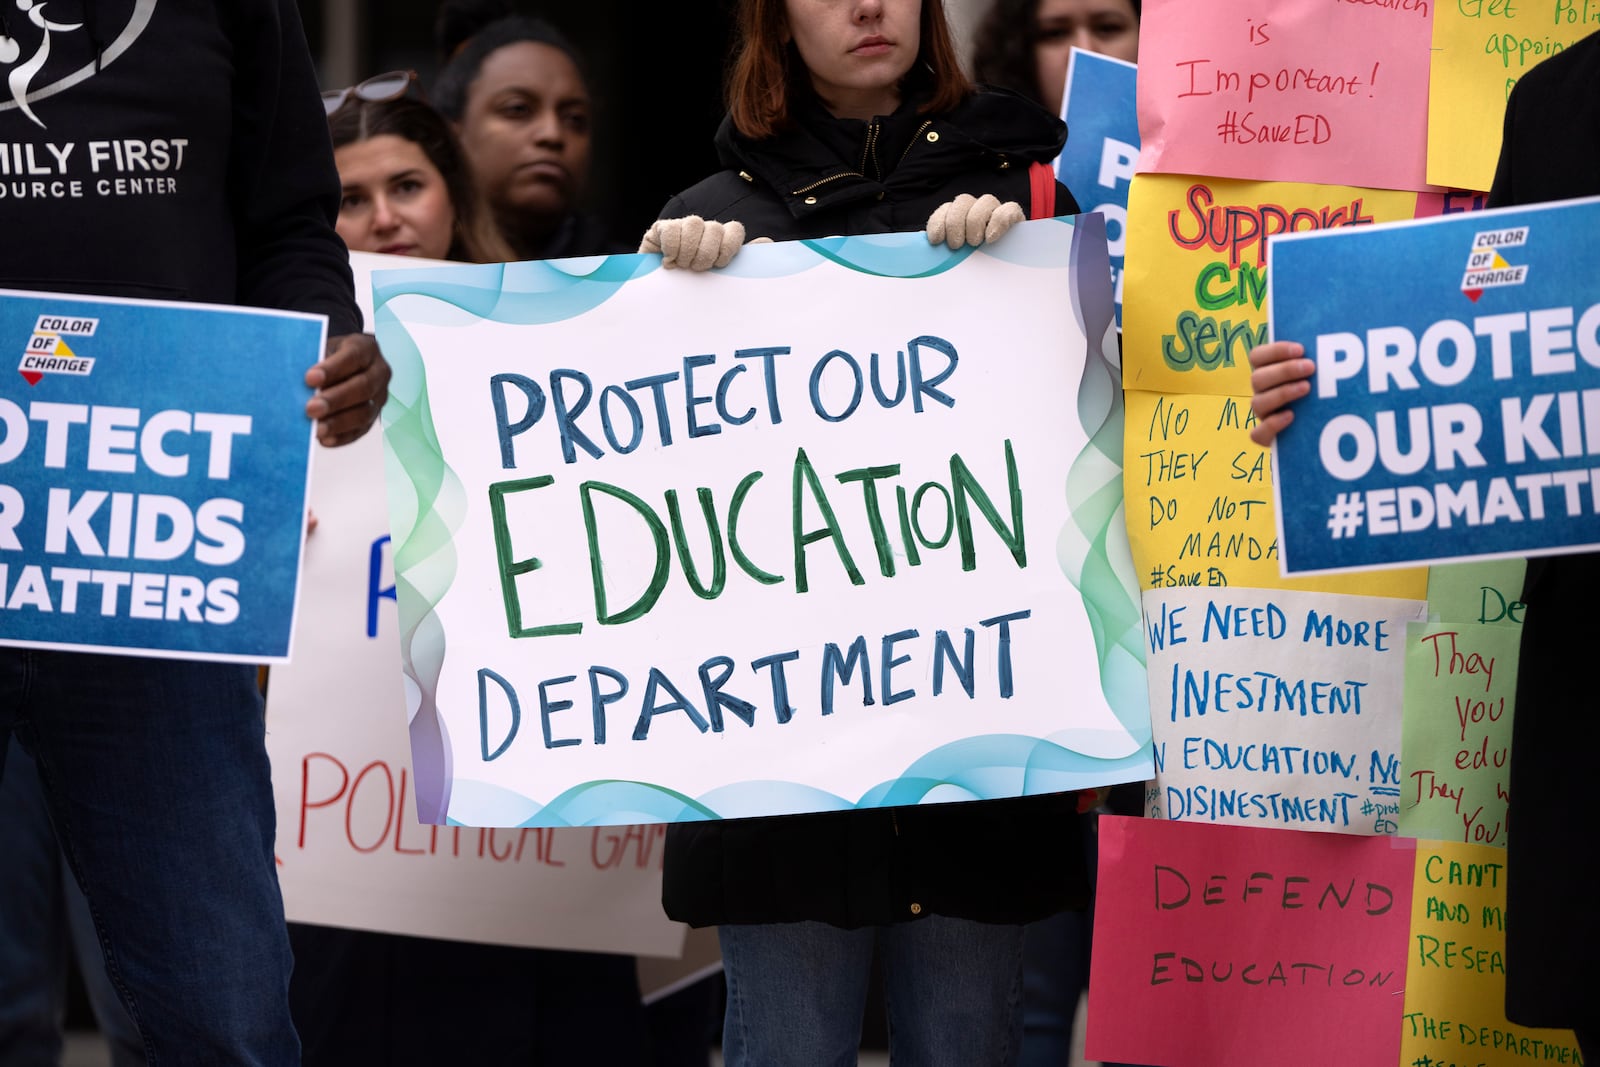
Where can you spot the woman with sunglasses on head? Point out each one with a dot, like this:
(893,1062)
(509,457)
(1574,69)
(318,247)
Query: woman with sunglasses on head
(853,117)
(386,1000)
(515,90)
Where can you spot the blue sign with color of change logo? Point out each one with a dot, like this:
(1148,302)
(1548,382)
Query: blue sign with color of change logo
(1455,409)
(153,464)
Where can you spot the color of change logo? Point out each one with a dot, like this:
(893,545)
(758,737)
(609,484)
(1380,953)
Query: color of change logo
(48,352)
(1487,268)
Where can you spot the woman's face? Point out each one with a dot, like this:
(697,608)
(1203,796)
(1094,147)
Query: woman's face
(395,199)
(857,50)
(1106,26)
(525,130)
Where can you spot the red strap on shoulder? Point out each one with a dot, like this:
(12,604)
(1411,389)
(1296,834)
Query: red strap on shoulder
(1042,180)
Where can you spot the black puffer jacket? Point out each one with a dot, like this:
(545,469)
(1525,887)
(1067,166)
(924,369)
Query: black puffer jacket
(1003,861)
(829,176)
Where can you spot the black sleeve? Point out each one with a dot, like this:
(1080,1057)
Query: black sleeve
(1066,203)
(1502,192)
(282,181)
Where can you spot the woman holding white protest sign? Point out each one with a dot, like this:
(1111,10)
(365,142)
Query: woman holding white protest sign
(853,117)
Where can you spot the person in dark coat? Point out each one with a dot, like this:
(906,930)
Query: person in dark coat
(387,1000)
(154,770)
(854,118)
(1550,151)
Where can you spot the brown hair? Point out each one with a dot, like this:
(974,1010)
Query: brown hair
(766,71)
(474,238)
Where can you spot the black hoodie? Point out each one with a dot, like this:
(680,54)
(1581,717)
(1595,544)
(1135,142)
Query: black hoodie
(171,149)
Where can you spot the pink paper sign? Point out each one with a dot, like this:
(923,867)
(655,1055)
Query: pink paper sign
(1326,91)
(1226,944)
(1449,202)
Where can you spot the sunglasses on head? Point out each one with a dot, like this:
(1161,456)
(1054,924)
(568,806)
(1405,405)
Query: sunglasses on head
(375,90)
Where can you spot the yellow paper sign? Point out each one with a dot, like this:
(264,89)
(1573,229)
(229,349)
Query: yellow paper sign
(1194,301)
(1198,499)
(1480,49)
(1456,972)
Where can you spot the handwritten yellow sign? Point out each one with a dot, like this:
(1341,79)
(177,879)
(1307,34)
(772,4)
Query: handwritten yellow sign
(1480,49)
(1456,971)
(1198,494)
(1194,301)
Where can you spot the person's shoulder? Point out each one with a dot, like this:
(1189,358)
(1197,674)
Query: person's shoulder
(987,95)
(1010,122)
(1573,70)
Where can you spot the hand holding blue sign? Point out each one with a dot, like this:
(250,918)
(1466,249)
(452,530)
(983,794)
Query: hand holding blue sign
(352,382)
(1278,377)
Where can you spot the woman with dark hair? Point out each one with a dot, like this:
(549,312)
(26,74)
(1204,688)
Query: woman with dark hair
(1023,45)
(516,91)
(854,117)
(406,186)
(386,1000)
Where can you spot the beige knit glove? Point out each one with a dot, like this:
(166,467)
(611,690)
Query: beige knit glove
(969,220)
(693,243)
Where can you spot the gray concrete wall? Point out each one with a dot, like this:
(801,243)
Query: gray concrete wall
(964,15)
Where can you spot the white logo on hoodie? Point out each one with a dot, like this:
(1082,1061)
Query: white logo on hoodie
(20,78)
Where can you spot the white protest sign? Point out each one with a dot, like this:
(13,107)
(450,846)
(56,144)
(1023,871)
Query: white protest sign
(351,851)
(1277,708)
(822,530)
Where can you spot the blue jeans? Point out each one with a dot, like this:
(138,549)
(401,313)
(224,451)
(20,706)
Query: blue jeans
(797,992)
(1055,974)
(41,910)
(155,774)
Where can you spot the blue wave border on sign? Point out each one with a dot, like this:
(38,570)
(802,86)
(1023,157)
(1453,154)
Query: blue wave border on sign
(990,767)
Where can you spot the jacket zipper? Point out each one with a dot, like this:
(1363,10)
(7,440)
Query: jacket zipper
(830,178)
(914,138)
(861,173)
(870,152)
